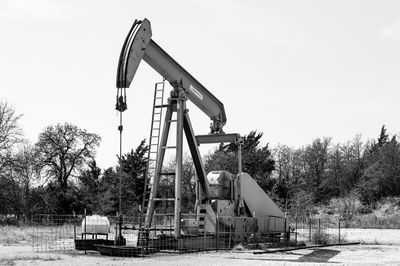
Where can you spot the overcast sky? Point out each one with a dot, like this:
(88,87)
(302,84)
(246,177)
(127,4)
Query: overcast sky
(295,70)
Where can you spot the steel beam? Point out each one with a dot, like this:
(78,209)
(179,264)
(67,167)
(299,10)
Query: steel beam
(217,138)
(194,151)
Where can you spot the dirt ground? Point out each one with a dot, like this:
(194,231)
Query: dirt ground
(338,255)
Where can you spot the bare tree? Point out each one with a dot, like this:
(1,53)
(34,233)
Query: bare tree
(354,155)
(10,132)
(24,176)
(316,158)
(63,150)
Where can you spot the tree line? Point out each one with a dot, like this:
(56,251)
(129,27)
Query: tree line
(58,174)
(323,170)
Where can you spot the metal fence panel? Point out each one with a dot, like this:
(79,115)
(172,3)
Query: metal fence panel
(80,232)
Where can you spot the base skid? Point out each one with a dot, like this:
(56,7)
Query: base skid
(124,251)
(163,244)
(90,244)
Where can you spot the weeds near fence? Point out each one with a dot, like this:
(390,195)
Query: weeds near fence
(322,238)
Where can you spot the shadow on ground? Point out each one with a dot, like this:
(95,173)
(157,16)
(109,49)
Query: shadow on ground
(317,255)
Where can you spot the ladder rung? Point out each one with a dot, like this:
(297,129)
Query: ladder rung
(168,147)
(156,128)
(173,120)
(153,152)
(159,97)
(166,199)
(168,173)
(156,121)
(161,106)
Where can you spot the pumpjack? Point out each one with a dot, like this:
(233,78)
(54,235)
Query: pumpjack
(223,199)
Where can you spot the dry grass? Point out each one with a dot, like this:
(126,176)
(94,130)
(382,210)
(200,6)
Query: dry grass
(10,234)
(12,261)
(376,220)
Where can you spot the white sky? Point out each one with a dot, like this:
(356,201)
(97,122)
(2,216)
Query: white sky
(295,70)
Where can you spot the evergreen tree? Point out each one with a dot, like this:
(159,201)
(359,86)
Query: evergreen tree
(134,171)
(383,137)
(90,187)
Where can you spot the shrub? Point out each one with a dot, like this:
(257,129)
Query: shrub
(373,220)
(385,216)
(346,207)
(8,219)
(321,238)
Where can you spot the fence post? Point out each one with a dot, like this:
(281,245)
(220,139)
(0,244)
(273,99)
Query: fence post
(33,231)
(254,228)
(230,236)
(339,230)
(217,231)
(295,231)
(319,226)
(204,232)
(309,219)
(85,231)
(74,219)
(285,234)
